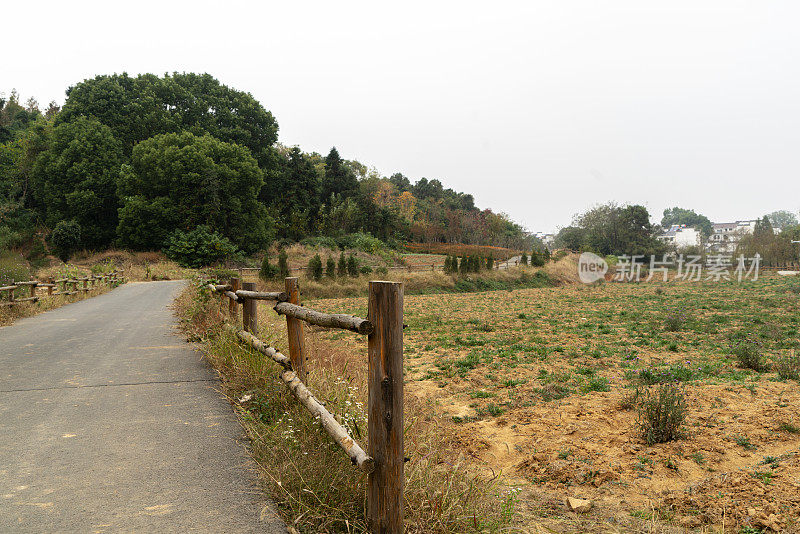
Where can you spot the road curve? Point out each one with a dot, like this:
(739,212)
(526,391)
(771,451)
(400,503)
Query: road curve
(110,422)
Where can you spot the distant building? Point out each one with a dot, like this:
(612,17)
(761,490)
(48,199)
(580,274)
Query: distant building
(546,239)
(681,236)
(725,236)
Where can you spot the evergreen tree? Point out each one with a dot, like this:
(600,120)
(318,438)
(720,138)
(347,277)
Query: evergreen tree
(283,263)
(268,271)
(523,259)
(342,267)
(463,265)
(315,267)
(352,266)
(338,178)
(490,262)
(330,267)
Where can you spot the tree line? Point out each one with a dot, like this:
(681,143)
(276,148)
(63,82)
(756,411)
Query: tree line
(147,162)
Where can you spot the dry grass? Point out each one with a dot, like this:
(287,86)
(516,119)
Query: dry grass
(8,314)
(312,481)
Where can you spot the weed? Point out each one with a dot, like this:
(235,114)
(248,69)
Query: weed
(748,351)
(675,320)
(790,428)
(553,392)
(661,413)
(597,383)
(744,442)
(788,366)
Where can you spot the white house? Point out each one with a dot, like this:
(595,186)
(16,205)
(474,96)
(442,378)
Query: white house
(725,236)
(681,236)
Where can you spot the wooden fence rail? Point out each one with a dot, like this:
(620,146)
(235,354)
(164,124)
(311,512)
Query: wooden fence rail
(68,286)
(384,463)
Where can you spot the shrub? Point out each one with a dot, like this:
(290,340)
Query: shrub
(523,260)
(283,263)
(661,413)
(268,271)
(788,366)
(366,269)
(748,352)
(315,267)
(198,248)
(66,239)
(489,262)
(352,266)
(537,258)
(342,267)
(675,320)
(330,267)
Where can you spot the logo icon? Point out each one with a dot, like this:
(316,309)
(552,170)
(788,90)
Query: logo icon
(591,268)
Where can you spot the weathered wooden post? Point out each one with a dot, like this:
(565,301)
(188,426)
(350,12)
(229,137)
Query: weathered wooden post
(385,408)
(51,281)
(33,289)
(249,310)
(294,328)
(232,309)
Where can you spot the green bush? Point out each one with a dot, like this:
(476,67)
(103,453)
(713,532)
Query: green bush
(382,271)
(66,239)
(363,242)
(330,267)
(315,267)
(267,271)
(200,247)
(490,263)
(352,266)
(748,351)
(788,366)
(366,269)
(341,268)
(283,263)
(661,413)
(523,260)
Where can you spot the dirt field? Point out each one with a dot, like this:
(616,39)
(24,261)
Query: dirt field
(538,385)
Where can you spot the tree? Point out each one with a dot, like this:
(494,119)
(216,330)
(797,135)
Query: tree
(283,263)
(66,239)
(342,267)
(763,227)
(689,218)
(315,267)
(338,178)
(781,219)
(294,195)
(330,268)
(612,229)
(137,108)
(267,271)
(181,181)
(352,266)
(490,262)
(524,259)
(75,178)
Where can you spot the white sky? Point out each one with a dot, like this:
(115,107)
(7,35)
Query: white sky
(540,109)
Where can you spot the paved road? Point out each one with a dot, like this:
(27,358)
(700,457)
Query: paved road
(110,422)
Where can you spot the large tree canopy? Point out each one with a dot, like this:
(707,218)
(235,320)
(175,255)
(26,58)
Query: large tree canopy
(138,108)
(612,229)
(75,178)
(687,217)
(180,181)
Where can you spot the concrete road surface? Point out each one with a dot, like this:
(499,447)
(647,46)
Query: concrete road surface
(110,422)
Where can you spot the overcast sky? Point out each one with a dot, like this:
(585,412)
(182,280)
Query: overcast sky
(538,108)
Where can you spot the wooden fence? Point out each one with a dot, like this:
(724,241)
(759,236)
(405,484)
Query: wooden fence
(384,459)
(54,287)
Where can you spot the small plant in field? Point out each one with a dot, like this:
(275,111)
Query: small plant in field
(661,413)
(553,392)
(790,428)
(565,454)
(744,442)
(698,457)
(675,320)
(597,383)
(748,351)
(631,399)
(788,366)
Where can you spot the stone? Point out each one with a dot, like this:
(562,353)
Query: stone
(579,506)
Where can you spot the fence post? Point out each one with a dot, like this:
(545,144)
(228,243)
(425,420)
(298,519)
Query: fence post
(33,290)
(249,310)
(232,309)
(385,408)
(294,329)
(52,282)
